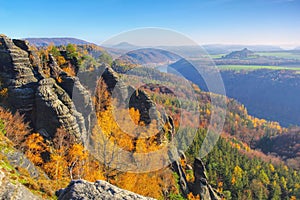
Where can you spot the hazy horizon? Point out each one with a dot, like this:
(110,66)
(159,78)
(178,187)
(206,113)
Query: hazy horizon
(283,46)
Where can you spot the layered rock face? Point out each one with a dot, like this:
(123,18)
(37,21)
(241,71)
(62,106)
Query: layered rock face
(80,189)
(46,103)
(17,75)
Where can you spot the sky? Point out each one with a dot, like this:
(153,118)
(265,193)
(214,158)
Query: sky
(269,22)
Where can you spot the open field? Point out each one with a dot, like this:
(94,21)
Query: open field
(216,56)
(278,54)
(281,54)
(255,67)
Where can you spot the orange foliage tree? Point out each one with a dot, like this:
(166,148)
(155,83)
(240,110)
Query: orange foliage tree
(34,147)
(15,127)
(154,184)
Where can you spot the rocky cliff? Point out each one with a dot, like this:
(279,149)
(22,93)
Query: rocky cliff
(46,103)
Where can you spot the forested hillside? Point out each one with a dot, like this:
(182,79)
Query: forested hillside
(62,109)
(263,91)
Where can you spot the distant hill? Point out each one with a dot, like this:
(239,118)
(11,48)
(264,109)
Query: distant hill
(115,53)
(149,56)
(195,51)
(220,49)
(41,42)
(124,46)
(243,54)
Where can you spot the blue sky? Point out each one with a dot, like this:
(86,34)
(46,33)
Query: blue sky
(274,22)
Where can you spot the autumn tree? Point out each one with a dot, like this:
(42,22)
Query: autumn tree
(35,146)
(107,151)
(15,127)
(76,159)
(154,184)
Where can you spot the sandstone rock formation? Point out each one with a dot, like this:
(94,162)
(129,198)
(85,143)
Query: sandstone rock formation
(47,103)
(80,189)
(200,186)
(140,100)
(16,74)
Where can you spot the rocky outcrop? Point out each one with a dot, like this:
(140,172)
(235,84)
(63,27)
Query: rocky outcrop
(140,100)
(125,94)
(132,97)
(46,102)
(178,169)
(77,100)
(200,186)
(80,189)
(114,85)
(55,109)
(14,191)
(17,75)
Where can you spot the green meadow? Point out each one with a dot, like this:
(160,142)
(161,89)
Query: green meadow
(255,67)
(281,54)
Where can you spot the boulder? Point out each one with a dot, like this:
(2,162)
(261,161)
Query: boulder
(84,190)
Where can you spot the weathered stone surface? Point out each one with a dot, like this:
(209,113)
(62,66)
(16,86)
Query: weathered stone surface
(14,191)
(46,103)
(177,168)
(200,186)
(83,190)
(79,95)
(54,108)
(18,159)
(116,87)
(17,75)
(141,101)
(125,94)
(83,103)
